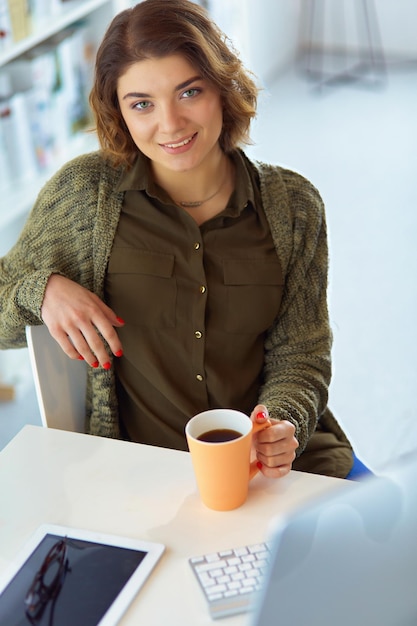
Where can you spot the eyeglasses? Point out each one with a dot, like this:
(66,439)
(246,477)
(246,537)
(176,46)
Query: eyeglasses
(48,580)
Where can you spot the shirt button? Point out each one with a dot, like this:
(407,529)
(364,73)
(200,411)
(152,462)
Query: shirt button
(198,334)
(199,377)
(196,245)
(202,289)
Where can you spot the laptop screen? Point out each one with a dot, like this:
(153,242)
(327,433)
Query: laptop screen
(350,558)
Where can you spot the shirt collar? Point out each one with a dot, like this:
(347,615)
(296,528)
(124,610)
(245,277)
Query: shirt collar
(244,185)
(138,178)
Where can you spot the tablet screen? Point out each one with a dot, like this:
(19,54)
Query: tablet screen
(68,580)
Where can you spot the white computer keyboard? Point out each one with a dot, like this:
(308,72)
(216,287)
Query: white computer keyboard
(231,578)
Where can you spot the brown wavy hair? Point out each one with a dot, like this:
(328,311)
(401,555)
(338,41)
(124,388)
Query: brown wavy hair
(155,29)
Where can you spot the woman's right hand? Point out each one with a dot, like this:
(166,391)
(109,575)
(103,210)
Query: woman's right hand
(75,316)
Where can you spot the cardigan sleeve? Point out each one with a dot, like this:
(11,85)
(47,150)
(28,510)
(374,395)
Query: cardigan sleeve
(69,231)
(55,239)
(297,367)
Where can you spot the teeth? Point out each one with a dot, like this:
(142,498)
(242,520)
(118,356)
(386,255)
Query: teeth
(178,145)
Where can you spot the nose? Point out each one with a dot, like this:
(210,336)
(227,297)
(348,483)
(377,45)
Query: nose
(170,118)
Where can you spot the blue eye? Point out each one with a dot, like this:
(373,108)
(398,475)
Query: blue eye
(191,92)
(142,106)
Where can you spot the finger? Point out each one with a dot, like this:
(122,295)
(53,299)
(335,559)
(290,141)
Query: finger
(259,413)
(95,330)
(86,343)
(79,347)
(276,466)
(91,346)
(106,325)
(109,333)
(109,314)
(278,452)
(280,431)
(277,460)
(65,343)
(274,472)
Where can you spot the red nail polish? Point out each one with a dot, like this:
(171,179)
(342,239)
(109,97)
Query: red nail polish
(120,320)
(259,465)
(118,353)
(80,358)
(107,366)
(261,415)
(95,364)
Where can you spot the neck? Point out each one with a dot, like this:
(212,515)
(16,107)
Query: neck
(196,186)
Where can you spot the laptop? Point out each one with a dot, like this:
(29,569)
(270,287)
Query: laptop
(347,559)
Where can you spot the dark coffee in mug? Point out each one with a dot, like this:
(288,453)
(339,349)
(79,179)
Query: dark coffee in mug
(219,435)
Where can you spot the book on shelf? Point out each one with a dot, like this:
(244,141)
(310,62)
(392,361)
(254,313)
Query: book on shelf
(20,19)
(47,101)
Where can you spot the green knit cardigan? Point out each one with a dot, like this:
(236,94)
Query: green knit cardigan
(70,231)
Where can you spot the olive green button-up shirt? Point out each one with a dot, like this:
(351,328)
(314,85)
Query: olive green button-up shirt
(196,300)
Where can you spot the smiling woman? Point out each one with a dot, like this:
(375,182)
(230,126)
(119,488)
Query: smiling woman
(185,275)
(175,118)
(160,29)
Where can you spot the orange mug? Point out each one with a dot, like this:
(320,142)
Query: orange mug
(219,441)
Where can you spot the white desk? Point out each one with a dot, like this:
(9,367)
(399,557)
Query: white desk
(140,491)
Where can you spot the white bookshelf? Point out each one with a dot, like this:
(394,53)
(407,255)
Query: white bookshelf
(17,199)
(65,14)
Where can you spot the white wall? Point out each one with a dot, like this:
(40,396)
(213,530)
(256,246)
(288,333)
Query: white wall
(268,33)
(342,22)
(265,32)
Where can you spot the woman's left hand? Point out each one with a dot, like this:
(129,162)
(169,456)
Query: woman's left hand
(275,446)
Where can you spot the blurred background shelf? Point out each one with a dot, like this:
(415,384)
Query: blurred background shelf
(25,165)
(62,15)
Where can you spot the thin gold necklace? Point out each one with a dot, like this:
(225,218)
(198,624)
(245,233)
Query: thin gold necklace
(197,203)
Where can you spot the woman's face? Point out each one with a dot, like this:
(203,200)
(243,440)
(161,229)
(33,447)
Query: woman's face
(173,115)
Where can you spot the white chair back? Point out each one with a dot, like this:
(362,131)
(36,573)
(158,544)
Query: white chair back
(60,382)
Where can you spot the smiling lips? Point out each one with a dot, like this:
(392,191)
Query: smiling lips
(176,147)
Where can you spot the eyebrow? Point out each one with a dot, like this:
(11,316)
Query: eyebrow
(138,94)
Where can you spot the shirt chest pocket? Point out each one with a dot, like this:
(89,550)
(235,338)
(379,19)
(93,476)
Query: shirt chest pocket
(141,287)
(253,290)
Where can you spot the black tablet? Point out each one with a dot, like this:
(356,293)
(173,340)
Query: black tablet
(66,576)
